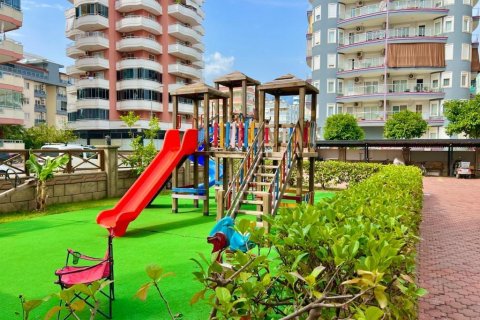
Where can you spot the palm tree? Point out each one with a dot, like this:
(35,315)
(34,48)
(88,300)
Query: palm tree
(44,172)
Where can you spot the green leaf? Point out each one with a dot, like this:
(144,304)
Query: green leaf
(223,295)
(379,293)
(421,292)
(373,313)
(316,272)
(31,304)
(298,259)
(154,272)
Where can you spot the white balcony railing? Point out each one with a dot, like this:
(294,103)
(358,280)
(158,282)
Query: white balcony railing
(380,34)
(373,89)
(377,114)
(362,64)
(394,5)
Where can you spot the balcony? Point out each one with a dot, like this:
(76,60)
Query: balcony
(92,41)
(73,52)
(375,40)
(184,71)
(139,83)
(40,94)
(151,6)
(80,2)
(11,116)
(92,104)
(183,33)
(184,52)
(135,63)
(74,71)
(137,22)
(183,108)
(92,83)
(12,80)
(139,105)
(185,14)
(374,14)
(91,22)
(40,121)
(91,63)
(40,108)
(398,92)
(10,51)
(133,43)
(72,89)
(375,117)
(11,17)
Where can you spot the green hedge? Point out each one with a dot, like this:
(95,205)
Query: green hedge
(359,246)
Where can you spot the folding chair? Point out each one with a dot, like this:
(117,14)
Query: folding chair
(96,269)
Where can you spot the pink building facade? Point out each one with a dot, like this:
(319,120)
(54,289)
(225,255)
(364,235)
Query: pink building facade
(129,55)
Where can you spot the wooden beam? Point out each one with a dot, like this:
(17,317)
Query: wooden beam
(244,97)
(175,171)
(195,157)
(313,119)
(206,141)
(276,131)
(230,106)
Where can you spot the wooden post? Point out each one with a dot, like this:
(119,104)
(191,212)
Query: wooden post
(255,111)
(313,119)
(477,161)
(175,171)
(276,126)
(220,204)
(225,162)
(195,157)
(230,106)
(267,208)
(244,97)
(206,109)
(301,121)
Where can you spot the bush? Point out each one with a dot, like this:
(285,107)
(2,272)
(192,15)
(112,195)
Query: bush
(331,173)
(349,257)
(343,127)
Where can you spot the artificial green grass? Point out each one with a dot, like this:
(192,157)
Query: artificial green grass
(33,249)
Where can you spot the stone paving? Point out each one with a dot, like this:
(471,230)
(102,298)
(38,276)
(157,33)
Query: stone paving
(449,255)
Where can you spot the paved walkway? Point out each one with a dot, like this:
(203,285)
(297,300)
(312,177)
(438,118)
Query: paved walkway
(449,254)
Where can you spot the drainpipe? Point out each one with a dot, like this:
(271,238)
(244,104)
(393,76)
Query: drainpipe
(385,88)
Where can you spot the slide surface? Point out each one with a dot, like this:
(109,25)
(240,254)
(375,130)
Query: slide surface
(150,181)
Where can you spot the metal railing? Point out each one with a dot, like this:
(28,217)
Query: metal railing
(379,115)
(394,5)
(361,64)
(380,34)
(389,88)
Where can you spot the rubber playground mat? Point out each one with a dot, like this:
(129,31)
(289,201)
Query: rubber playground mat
(31,250)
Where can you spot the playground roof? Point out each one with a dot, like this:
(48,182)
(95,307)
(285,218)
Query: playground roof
(197,90)
(468,143)
(287,85)
(235,79)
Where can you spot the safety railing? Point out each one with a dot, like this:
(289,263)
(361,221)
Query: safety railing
(282,174)
(239,182)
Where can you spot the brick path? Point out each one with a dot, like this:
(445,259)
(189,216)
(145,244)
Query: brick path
(449,256)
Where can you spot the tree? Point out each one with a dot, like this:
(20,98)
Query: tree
(36,137)
(343,127)
(463,117)
(405,125)
(44,172)
(11,132)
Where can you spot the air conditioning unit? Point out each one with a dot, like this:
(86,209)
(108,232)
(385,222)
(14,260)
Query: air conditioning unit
(381,104)
(384,51)
(360,3)
(411,76)
(360,55)
(383,76)
(357,79)
(359,29)
(357,104)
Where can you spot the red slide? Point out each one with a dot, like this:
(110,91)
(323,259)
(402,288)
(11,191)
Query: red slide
(150,181)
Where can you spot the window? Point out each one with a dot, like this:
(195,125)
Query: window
(432,135)
(316,38)
(316,63)
(330,109)
(331,61)
(467,2)
(331,85)
(447,80)
(448,24)
(435,84)
(340,86)
(339,109)
(434,109)
(317,13)
(332,35)
(466,51)
(419,108)
(449,51)
(467,24)
(397,109)
(92,93)
(316,84)
(332,10)
(437,27)
(448,2)
(465,79)
(27,85)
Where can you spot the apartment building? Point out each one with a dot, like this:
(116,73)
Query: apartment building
(11,85)
(129,56)
(373,59)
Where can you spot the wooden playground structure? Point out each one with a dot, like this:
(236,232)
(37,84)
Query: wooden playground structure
(266,152)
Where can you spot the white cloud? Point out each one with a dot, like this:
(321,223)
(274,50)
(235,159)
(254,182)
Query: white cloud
(216,65)
(29,5)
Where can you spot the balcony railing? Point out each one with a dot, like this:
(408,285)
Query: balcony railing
(362,64)
(40,93)
(389,88)
(380,34)
(394,5)
(379,115)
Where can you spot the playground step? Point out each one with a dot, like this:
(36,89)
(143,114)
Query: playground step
(270,175)
(258,202)
(260,183)
(251,213)
(257,193)
(269,167)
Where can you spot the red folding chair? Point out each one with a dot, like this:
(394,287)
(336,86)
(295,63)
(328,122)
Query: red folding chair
(95,269)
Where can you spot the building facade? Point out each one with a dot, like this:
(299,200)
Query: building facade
(11,85)
(129,56)
(373,59)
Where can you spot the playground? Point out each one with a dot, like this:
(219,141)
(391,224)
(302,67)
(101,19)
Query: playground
(33,249)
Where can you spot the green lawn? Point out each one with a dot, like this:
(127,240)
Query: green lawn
(32,249)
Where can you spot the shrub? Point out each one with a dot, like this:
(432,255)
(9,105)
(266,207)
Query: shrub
(349,257)
(343,127)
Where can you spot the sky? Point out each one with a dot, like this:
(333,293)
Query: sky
(261,38)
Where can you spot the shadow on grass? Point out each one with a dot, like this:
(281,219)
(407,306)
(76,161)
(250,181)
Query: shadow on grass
(165,227)
(11,229)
